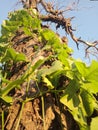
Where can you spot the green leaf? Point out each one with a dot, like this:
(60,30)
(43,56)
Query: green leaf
(71,102)
(88,102)
(7,99)
(5,90)
(92,87)
(33,68)
(94,124)
(3,48)
(72,93)
(62,55)
(75,109)
(10,23)
(47,82)
(92,74)
(11,54)
(88,76)
(56,66)
(19,19)
(8,29)
(36,23)
(38,64)
(72,99)
(47,34)
(82,68)
(33,24)
(20,57)
(89,73)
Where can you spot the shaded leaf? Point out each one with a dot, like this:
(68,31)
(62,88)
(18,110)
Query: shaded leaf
(88,102)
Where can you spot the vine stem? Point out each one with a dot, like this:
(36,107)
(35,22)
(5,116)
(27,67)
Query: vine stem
(20,114)
(43,112)
(2,119)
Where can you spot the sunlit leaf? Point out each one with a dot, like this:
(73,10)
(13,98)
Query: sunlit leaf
(82,68)
(47,82)
(7,99)
(91,86)
(92,74)
(94,124)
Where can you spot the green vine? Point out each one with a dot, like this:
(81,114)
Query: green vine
(80,91)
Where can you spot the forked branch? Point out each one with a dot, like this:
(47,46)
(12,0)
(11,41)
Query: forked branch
(56,16)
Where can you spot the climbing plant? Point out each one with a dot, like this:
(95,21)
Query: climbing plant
(51,68)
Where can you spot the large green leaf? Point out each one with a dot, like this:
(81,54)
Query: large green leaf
(72,99)
(71,92)
(20,57)
(89,73)
(88,102)
(76,109)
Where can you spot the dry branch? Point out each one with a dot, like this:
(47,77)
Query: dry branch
(56,16)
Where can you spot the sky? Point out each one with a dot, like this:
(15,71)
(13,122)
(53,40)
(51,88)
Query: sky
(85,21)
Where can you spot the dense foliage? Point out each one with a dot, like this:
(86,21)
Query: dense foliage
(72,81)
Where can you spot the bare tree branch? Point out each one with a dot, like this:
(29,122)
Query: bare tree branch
(56,16)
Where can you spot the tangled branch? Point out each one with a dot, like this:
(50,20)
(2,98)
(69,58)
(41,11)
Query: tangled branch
(56,16)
